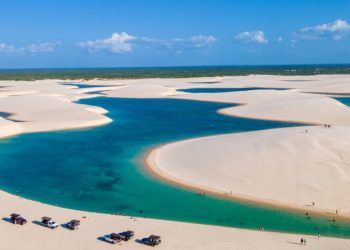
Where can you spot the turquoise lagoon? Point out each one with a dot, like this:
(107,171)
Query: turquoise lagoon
(344,100)
(100,169)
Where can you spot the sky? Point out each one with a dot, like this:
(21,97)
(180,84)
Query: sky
(153,33)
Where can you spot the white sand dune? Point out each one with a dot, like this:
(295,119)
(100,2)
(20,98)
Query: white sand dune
(46,106)
(9,128)
(283,166)
(45,113)
(283,105)
(316,83)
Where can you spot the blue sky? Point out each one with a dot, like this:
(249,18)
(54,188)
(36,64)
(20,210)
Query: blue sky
(131,33)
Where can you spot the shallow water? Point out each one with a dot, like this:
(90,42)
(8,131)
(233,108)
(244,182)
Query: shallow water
(344,100)
(100,169)
(85,86)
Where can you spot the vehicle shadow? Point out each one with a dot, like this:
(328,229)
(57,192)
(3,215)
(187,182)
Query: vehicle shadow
(140,241)
(36,222)
(293,242)
(100,238)
(65,226)
(7,220)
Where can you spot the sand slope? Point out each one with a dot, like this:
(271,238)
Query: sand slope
(46,106)
(287,166)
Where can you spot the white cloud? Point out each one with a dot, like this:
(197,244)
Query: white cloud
(33,48)
(293,43)
(41,47)
(335,30)
(5,48)
(202,40)
(123,42)
(117,43)
(252,37)
(148,40)
(192,43)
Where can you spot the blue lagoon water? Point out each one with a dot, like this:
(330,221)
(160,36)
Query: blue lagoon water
(344,100)
(100,169)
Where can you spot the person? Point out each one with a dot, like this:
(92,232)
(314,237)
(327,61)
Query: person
(319,235)
(301,241)
(305,242)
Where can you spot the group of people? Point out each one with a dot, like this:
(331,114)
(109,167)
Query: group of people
(327,125)
(302,241)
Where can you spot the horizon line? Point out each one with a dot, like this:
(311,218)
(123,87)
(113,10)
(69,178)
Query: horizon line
(181,66)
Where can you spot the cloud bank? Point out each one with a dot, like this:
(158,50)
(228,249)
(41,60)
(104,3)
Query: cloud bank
(117,43)
(251,37)
(334,30)
(6,48)
(33,48)
(120,43)
(41,47)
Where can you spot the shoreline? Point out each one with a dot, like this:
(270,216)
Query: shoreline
(224,111)
(175,235)
(161,175)
(125,216)
(103,122)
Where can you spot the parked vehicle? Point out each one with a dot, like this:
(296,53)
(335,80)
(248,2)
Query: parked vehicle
(17,219)
(152,240)
(73,224)
(112,238)
(127,235)
(48,222)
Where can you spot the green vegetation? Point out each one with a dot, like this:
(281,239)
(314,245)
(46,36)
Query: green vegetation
(169,72)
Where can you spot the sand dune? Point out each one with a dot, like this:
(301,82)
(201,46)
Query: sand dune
(283,166)
(283,105)
(46,106)
(280,166)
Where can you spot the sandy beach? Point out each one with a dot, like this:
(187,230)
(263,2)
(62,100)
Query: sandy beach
(303,167)
(175,235)
(275,167)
